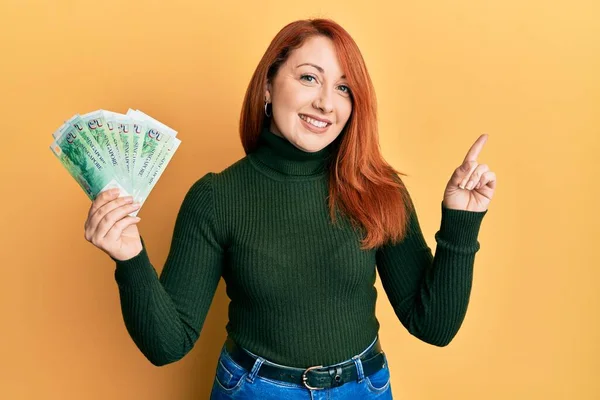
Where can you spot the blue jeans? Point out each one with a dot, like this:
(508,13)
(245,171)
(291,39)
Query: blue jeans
(232,381)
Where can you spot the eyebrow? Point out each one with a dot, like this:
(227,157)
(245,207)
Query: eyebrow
(321,70)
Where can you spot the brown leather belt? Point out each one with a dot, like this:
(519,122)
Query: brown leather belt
(317,377)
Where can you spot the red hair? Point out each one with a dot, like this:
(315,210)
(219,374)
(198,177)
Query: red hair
(362,184)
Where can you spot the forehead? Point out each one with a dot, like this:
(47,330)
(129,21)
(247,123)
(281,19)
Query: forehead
(317,50)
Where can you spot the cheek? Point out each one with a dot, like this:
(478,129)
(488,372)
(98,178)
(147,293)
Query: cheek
(290,95)
(285,106)
(345,110)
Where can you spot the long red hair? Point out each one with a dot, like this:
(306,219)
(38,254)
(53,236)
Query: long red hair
(362,184)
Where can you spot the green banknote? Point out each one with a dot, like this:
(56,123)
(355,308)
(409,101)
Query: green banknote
(120,130)
(115,138)
(161,141)
(82,162)
(103,149)
(139,129)
(172,131)
(89,140)
(154,140)
(125,125)
(95,122)
(158,170)
(157,139)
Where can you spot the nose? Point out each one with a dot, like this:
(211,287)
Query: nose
(324,101)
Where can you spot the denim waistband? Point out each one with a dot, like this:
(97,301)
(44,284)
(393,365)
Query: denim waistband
(319,376)
(266,361)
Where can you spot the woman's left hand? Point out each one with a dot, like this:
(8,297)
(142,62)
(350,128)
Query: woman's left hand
(472,185)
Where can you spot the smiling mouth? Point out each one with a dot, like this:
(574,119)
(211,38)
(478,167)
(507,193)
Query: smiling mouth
(313,122)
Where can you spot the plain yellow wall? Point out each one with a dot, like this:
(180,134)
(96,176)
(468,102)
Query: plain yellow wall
(525,72)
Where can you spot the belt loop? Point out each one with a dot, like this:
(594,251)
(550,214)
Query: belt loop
(359,368)
(257,364)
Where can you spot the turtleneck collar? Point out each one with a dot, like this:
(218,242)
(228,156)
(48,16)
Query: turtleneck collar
(286,161)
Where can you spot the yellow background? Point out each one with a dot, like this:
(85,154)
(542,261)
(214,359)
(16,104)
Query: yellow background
(526,72)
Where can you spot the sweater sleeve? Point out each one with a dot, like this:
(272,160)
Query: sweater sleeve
(164,316)
(430,294)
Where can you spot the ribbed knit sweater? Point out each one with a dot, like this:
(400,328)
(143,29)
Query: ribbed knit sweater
(301,290)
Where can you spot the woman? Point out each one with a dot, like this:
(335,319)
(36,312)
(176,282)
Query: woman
(296,229)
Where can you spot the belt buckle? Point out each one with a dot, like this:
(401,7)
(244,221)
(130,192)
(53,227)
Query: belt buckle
(305,378)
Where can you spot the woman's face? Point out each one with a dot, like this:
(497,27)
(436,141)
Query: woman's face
(310,86)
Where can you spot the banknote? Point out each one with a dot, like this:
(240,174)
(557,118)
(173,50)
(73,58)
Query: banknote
(157,140)
(95,122)
(121,138)
(82,162)
(144,180)
(158,170)
(146,116)
(153,141)
(137,136)
(79,124)
(104,149)
(125,125)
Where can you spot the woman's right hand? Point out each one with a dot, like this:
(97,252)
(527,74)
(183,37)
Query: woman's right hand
(110,228)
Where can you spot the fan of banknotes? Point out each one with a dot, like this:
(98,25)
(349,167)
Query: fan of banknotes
(103,150)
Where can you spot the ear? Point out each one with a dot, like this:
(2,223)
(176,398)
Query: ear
(268,92)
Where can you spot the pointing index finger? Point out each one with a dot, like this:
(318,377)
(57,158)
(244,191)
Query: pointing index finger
(476,148)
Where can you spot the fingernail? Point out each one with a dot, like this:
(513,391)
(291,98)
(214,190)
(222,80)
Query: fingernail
(470,185)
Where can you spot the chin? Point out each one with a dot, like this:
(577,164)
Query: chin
(314,144)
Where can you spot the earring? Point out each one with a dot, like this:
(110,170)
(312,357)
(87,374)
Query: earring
(266,105)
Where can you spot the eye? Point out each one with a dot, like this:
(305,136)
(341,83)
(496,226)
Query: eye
(307,76)
(347,91)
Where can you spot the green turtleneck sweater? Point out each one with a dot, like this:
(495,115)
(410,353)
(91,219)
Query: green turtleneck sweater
(301,289)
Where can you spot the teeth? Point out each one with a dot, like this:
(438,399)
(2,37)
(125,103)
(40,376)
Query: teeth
(311,121)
